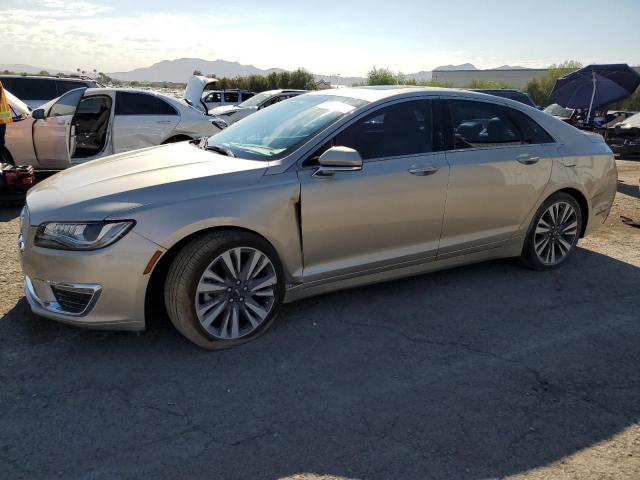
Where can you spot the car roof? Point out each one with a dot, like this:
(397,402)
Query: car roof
(382,92)
(50,77)
(93,91)
(481,90)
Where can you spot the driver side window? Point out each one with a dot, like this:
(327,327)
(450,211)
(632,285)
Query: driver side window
(401,129)
(67,104)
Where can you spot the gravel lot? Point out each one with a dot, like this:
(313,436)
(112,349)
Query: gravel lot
(487,371)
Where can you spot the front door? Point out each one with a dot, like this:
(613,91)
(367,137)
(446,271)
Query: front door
(387,214)
(52,135)
(500,165)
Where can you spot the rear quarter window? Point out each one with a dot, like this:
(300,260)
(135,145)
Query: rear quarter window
(531,131)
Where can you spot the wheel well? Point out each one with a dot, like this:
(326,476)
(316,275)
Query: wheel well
(177,138)
(582,203)
(154,307)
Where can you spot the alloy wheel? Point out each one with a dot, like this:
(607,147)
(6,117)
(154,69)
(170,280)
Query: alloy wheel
(556,233)
(236,293)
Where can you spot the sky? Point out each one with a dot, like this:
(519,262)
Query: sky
(326,37)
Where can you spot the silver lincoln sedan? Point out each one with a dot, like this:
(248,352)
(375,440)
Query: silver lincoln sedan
(325,191)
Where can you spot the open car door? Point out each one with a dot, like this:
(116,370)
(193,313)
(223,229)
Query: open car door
(52,133)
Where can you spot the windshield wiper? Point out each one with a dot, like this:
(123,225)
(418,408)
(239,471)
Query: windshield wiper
(260,149)
(219,149)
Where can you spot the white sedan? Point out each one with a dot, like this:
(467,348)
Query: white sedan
(86,124)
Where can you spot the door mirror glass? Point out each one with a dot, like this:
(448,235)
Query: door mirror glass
(338,159)
(38,114)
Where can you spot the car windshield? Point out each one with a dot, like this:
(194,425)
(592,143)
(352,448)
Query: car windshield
(257,99)
(633,121)
(275,131)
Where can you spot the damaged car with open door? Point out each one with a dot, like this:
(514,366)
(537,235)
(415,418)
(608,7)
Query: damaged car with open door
(624,138)
(86,124)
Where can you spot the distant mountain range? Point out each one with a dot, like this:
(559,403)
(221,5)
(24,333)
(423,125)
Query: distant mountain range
(181,69)
(28,69)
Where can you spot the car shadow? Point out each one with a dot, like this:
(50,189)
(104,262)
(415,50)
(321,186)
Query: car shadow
(477,372)
(631,190)
(9,213)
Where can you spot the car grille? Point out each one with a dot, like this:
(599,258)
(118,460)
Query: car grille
(72,301)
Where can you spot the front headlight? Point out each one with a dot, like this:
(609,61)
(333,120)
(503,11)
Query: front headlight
(82,235)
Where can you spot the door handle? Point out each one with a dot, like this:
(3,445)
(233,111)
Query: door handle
(164,122)
(527,159)
(423,171)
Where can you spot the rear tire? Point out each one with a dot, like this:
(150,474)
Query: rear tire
(553,233)
(224,289)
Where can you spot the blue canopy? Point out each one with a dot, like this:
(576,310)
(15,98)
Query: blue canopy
(595,86)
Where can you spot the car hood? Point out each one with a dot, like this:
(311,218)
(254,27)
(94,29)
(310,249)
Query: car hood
(18,105)
(195,89)
(120,183)
(228,110)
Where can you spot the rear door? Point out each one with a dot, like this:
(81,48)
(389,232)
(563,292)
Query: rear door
(52,135)
(142,120)
(500,165)
(387,214)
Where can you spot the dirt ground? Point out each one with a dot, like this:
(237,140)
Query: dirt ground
(487,371)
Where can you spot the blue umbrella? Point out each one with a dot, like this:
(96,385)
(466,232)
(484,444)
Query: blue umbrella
(595,85)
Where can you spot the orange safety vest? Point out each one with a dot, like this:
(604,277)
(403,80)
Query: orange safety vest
(5,111)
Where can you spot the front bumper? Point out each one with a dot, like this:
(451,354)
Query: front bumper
(97,289)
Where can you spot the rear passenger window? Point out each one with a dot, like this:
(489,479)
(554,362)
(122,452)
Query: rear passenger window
(231,97)
(402,129)
(65,85)
(132,103)
(34,88)
(480,124)
(531,131)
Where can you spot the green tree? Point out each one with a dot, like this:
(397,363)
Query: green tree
(382,76)
(477,84)
(197,72)
(43,72)
(540,88)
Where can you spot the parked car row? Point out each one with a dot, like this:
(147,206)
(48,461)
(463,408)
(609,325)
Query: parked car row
(624,137)
(320,192)
(86,124)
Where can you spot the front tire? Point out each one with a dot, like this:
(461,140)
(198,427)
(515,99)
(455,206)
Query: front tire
(224,289)
(553,233)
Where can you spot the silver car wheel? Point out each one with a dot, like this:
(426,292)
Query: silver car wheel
(556,233)
(236,293)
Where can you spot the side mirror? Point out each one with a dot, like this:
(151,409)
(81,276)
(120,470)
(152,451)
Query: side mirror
(38,114)
(338,159)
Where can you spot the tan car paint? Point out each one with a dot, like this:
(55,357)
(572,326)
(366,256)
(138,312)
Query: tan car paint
(356,228)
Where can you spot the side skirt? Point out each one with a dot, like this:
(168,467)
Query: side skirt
(300,291)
